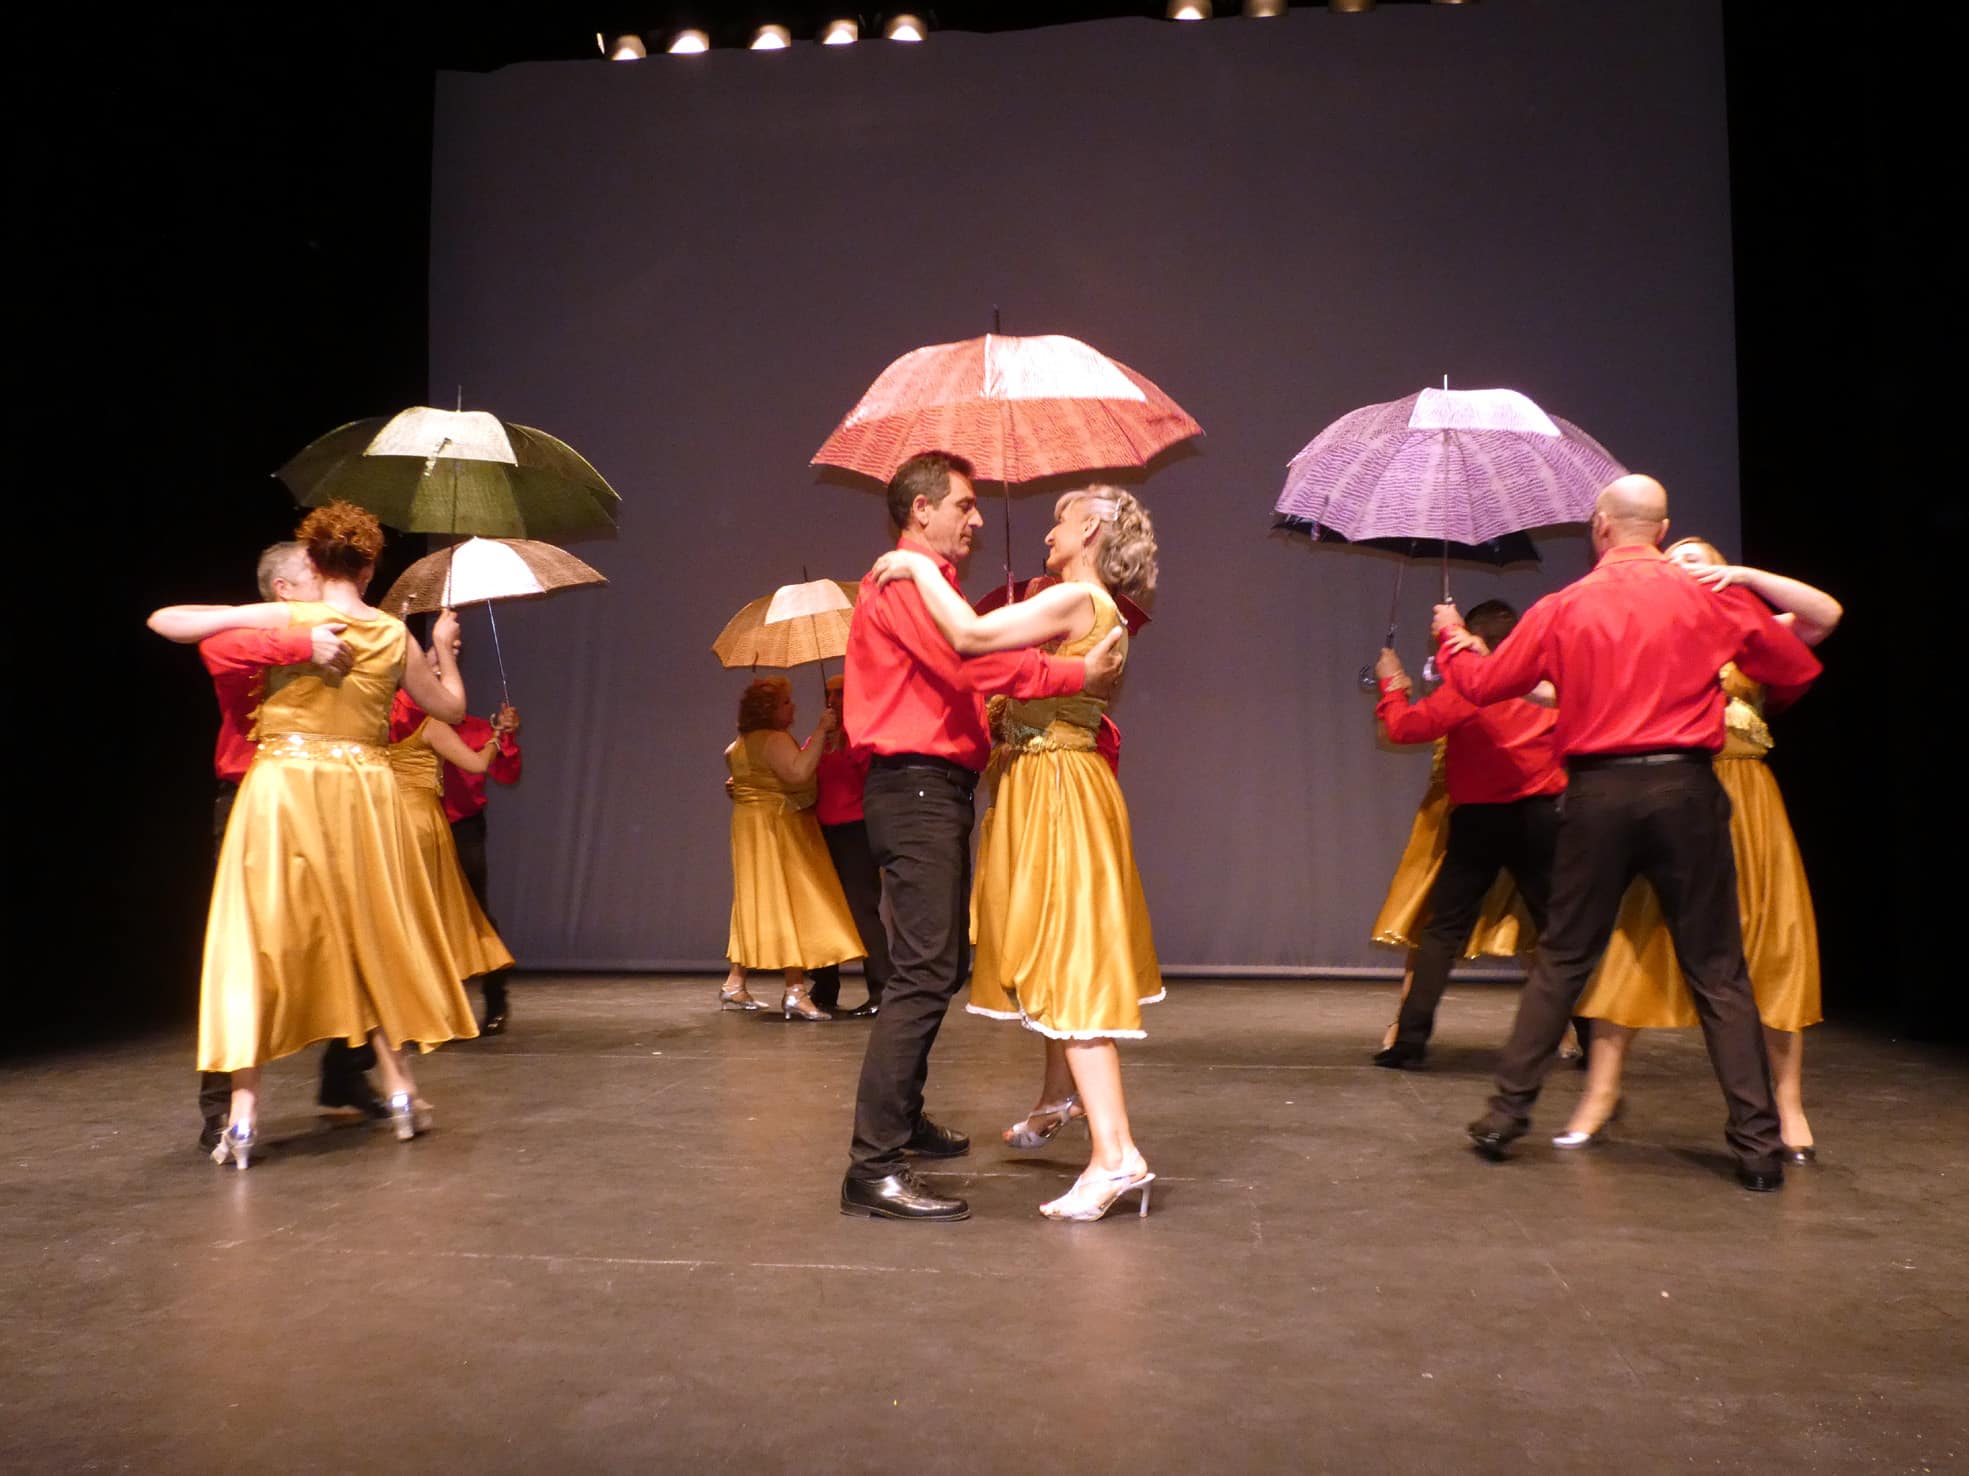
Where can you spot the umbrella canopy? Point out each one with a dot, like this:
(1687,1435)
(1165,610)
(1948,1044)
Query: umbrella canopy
(481,570)
(1461,465)
(1507,548)
(795,624)
(456,471)
(1017,409)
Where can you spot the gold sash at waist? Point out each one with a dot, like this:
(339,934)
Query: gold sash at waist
(788,800)
(321,746)
(1018,737)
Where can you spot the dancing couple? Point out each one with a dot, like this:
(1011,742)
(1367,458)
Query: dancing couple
(1063,938)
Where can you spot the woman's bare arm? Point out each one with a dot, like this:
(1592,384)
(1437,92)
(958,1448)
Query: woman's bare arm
(455,751)
(190,624)
(1061,612)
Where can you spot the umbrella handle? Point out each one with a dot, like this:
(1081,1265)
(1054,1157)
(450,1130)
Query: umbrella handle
(498,655)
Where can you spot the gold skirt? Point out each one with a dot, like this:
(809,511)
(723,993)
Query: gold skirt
(1057,911)
(1503,928)
(323,924)
(475,944)
(1639,984)
(788,910)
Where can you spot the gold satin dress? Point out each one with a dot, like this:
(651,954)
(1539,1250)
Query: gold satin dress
(1060,924)
(1639,983)
(474,943)
(788,910)
(323,923)
(1504,926)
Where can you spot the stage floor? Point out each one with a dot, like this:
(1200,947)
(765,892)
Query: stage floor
(620,1250)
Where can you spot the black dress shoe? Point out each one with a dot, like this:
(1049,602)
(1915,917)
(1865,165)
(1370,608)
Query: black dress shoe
(931,1141)
(208,1137)
(1401,1056)
(898,1197)
(1492,1134)
(494,1023)
(1803,1155)
(1761,1181)
(866,1010)
(355,1098)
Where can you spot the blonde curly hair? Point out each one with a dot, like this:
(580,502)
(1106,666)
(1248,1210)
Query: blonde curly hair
(1124,551)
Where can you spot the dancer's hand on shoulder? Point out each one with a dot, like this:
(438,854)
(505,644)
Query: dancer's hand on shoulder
(1462,640)
(900,563)
(1718,576)
(330,652)
(1104,665)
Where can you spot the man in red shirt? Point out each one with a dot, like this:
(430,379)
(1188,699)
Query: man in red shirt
(1634,649)
(464,808)
(840,777)
(1504,780)
(238,662)
(916,708)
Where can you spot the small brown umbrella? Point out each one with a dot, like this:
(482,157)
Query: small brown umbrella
(794,625)
(482,570)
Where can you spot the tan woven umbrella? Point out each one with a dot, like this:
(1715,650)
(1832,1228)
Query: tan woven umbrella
(794,625)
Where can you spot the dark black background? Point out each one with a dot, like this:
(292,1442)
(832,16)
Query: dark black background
(222,228)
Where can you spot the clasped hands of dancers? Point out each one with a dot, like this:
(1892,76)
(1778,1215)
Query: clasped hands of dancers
(1063,942)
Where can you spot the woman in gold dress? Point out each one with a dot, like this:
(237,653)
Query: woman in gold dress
(1639,984)
(323,924)
(418,759)
(788,911)
(1058,916)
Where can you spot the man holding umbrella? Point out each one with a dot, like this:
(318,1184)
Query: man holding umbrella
(917,709)
(1634,648)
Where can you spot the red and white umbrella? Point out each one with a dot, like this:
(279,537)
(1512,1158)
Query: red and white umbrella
(1017,409)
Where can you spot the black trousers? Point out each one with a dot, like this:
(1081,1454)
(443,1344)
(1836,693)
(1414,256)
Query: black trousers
(919,831)
(1483,840)
(861,882)
(469,834)
(341,1063)
(1670,823)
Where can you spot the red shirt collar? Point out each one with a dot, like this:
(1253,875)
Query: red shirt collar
(1627,553)
(916,545)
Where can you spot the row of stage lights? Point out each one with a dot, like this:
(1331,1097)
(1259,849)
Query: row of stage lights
(908,27)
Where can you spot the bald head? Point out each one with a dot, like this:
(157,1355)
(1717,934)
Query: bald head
(1630,510)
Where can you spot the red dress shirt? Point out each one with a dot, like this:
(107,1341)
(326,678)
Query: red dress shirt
(841,775)
(464,794)
(239,661)
(907,691)
(1634,649)
(1494,755)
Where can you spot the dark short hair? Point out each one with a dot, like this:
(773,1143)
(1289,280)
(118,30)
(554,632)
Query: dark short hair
(1493,620)
(925,475)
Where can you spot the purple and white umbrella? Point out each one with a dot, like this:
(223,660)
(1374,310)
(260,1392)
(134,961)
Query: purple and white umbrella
(1466,466)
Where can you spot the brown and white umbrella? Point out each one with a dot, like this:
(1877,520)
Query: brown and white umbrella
(794,625)
(482,570)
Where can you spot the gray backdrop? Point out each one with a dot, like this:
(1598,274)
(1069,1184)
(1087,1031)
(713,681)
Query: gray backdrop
(690,268)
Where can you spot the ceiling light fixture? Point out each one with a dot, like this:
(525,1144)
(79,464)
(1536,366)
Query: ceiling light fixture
(840,33)
(905,28)
(689,43)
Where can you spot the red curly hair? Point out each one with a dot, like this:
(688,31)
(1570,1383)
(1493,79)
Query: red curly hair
(758,708)
(342,539)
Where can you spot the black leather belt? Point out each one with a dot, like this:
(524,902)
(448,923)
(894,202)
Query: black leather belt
(1626,760)
(951,767)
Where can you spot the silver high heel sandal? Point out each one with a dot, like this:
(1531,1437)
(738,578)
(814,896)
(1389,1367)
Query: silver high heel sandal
(797,1006)
(1587,1140)
(409,1115)
(1093,1194)
(236,1143)
(1056,1115)
(737,999)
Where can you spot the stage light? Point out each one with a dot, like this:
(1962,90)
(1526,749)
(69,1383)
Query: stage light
(687,43)
(1189,10)
(1350,7)
(770,38)
(621,48)
(1262,9)
(905,28)
(840,33)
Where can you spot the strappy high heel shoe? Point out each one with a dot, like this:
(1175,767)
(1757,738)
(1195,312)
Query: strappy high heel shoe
(797,1006)
(1587,1140)
(409,1115)
(1041,1125)
(236,1143)
(1094,1193)
(737,999)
